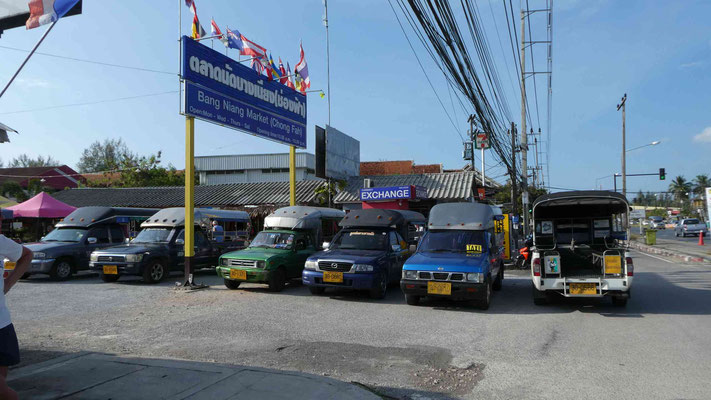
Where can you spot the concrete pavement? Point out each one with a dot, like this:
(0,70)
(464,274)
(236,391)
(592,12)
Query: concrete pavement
(103,376)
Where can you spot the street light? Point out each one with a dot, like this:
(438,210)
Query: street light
(654,143)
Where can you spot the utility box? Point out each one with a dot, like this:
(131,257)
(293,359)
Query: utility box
(651,237)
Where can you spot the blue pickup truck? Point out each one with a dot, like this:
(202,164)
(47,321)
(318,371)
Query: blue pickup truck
(367,254)
(460,256)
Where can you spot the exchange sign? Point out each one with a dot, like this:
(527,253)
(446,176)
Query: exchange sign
(220,90)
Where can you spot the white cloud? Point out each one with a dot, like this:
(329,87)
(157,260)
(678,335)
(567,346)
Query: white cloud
(704,136)
(33,83)
(692,64)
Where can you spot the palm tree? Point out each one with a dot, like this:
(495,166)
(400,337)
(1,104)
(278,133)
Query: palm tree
(680,187)
(701,182)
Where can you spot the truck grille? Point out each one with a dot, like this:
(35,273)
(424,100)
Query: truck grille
(334,266)
(242,263)
(441,276)
(112,259)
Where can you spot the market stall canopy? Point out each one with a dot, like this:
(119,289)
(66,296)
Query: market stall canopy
(42,206)
(5,202)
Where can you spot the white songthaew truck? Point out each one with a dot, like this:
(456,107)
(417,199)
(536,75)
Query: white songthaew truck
(580,246)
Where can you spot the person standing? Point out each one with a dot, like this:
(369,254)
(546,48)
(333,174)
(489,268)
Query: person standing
(218,233)
(9,348)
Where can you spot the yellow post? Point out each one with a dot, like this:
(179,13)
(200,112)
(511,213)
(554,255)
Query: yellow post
(507,238)
(292,175)
(189,196)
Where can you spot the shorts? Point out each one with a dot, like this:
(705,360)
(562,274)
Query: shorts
(9,348)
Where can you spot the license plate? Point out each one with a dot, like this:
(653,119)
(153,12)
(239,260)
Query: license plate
(613,265)
(333,277)
(443,288)
(110,270)
(238,274)
(9,265)
(583,288)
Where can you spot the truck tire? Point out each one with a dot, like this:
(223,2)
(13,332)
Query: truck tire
(498,282)
(277,280)
(381,289)
(61,270)
(619,301)
(154,272)
(317,290)
(109,278)
(412,300)
(539,297)
(232,285)
(26,275)
(486,301)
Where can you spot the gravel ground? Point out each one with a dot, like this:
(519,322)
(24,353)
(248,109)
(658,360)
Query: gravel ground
(658,347)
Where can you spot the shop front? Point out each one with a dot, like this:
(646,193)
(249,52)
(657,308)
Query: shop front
(393,197)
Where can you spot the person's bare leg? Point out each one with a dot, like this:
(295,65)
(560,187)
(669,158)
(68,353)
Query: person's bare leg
(6,393)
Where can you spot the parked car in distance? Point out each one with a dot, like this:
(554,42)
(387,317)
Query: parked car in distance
(656,223)
(66,249)
(159,247)
(690,226)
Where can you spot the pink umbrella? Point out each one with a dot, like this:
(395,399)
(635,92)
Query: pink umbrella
(42,206)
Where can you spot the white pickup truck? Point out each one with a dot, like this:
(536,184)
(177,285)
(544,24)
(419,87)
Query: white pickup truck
(690,226)
(579,246)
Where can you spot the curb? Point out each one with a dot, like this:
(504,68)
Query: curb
(680,256)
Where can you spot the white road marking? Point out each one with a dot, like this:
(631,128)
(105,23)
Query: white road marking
(657,257)
(676,263)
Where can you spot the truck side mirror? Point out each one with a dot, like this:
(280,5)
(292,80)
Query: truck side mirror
(91,240)
(179,241)
(413,248)
(127,240)
(326,245)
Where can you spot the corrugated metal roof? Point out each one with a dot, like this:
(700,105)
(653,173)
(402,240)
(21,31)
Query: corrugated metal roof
(228,195)
(443,186)
(252,161)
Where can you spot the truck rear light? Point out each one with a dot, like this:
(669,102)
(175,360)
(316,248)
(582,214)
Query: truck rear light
(536,263)
(630,266)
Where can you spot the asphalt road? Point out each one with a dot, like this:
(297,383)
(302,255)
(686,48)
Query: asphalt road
(669,234)
(657,347)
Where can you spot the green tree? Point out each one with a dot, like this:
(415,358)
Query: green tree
(24,161)
(14,190)
(332,187)
(680,188)
(106,156)
(639,199)
(146,171)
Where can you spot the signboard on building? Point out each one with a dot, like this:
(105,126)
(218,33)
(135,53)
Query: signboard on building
(637,214)
(337,154)
(220,90)
(482,141)
(393,193)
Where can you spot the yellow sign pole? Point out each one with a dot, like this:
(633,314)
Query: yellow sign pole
(507,238)
(292,175)
(189,198)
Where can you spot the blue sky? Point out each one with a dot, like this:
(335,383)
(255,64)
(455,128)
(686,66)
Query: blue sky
(659,53)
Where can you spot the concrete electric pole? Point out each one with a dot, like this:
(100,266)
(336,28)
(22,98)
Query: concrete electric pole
(624,161)
(524,134)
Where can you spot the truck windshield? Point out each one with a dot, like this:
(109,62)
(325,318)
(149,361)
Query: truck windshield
(273,240)
(65,235)
(153,235)
(360,240)
(454,241)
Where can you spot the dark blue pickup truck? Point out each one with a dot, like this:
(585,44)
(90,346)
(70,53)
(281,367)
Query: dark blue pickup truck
(367,254)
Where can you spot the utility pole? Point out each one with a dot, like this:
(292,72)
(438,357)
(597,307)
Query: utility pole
(524,134)
(624,161)
(514,191)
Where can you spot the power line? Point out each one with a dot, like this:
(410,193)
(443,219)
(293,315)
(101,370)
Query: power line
(533,64)
(92,61)
(89,103)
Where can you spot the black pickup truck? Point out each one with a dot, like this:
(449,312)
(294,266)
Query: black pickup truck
(66,249)
(159,247)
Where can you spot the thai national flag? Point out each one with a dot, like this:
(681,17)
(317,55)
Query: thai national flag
(252,49)
(45,11)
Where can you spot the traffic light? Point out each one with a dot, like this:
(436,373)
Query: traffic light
(662,174)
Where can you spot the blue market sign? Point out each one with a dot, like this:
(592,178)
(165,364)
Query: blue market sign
(225,92)
(393,193)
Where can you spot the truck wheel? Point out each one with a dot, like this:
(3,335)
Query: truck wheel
(154,272)
(277,280)
(486,301)
(61,270)
(26,275)
(381,289)
(232,285)
(109,278)
(539,297)
(412,300)
(499,280)
(317,290)
(619,301)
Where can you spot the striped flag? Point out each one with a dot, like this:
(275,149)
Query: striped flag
(283,73)
(197,29)
(252,49)
(303,70)
(46,11)
(215,30)
(275,71)
(290,81)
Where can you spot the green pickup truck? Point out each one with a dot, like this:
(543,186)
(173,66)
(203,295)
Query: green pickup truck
(277,254)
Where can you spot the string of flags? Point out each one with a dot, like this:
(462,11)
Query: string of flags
(298,79)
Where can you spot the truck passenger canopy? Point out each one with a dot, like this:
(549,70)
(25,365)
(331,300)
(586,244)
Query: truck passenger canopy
(321,221)
(405,222)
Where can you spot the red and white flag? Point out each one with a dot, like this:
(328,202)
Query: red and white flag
(303,70)
(252,49)
(283,79)
(290,81)
(46,11)
(215,30)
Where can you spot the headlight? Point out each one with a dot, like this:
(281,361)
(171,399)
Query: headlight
(311,265)
(134,257)
(93,257)
(362,268)
(407,274)
(261,264)
(475,277)
(223,262)
(39,254)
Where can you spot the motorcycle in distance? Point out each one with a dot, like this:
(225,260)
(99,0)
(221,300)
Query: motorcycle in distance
(523,260)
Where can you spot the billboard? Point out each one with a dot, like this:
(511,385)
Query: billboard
(15,13)
(337,154)
(220,90)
